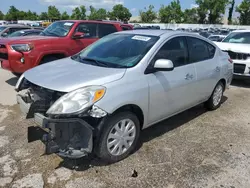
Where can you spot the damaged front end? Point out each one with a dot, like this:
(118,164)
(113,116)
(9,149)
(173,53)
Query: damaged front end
(68,135)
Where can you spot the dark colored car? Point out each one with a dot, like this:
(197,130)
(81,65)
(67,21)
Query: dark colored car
(6,30)
(27,32)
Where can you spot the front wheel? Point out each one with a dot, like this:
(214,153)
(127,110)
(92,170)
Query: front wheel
(119,137)
(214,101)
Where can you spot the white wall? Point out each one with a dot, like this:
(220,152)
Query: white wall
(175,26)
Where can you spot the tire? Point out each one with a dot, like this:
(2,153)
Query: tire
(48,59)
(104,152)
(212,103)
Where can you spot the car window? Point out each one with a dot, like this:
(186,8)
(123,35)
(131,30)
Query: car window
(175,50)
(125,28)
(106,29)
(89,29)
(32,33)
(199,50)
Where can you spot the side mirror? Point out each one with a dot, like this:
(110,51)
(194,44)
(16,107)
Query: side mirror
(78,35)
(4,35)
(164,65)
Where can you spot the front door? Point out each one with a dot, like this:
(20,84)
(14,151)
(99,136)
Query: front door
(90,31)
(171,91)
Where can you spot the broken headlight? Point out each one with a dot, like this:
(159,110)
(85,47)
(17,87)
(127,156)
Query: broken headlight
(77,101)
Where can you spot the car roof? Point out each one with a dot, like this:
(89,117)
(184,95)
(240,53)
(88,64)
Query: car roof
(16,25)
(29,30)
(151,32)
(241,31)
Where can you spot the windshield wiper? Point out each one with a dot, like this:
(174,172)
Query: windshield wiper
(96,62)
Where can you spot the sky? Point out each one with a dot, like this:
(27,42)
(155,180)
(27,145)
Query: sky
(67,5)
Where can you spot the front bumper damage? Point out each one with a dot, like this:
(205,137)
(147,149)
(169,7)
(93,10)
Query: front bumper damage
(70,137)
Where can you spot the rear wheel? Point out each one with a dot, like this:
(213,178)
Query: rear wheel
(119,137)
(214,101)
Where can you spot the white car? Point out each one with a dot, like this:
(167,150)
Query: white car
(237,45)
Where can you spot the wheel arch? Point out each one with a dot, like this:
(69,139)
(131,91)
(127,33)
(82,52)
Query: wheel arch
(57,55)
(134,109)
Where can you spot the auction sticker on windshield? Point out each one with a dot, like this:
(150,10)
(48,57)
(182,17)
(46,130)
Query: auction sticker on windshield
(142,38)
(68,24)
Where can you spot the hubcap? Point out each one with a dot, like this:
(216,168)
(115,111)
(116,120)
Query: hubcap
(121,137)
(217,95)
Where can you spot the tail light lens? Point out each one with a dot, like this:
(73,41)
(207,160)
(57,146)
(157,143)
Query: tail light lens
(230,60)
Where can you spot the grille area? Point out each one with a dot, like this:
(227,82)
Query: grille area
(239,56)
(239,68)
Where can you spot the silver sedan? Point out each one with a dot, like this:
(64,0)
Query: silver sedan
(100,99)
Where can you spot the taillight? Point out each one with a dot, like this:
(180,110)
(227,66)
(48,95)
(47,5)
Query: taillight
(230,60)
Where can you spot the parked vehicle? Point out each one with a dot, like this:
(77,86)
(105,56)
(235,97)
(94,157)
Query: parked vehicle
(61,39)
(204,34)
(27,32)
(237,45)
(100,99)
(6,30)
(216,38)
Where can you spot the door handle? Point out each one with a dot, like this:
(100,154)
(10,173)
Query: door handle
(189,77)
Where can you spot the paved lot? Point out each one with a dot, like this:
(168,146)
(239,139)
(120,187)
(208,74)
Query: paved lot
(194,149)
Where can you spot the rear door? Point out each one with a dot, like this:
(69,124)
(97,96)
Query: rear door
(202,55)
(90,31)
(105,29)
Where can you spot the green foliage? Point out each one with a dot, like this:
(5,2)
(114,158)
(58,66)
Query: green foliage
(230,12)
(12,14)
(1,15)
(149,15)
(44,16)
(171,13)
(79,13)
(244,10)
(190,16)
(65,16)
(119,12)
(53,13)
(100,14)
(211,9)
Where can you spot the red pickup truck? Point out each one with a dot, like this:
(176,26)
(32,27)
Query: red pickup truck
(61,39)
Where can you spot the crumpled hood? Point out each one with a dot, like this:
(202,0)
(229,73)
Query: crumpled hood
(66,75)
(234,47)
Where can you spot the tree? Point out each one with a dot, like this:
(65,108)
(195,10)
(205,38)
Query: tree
(119,12)
(190,16)
(230,12)
(171,13)
(53,13)
(244,10)
(1,15)
(148,16)
(44,16)
(212,9)
(12,14)
(31,16)
(97,14)
(65,16)
(79,13)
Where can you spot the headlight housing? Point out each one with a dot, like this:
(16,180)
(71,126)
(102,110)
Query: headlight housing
(77,101)
(22,47)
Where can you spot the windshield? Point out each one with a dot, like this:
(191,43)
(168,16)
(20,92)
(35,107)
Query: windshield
(58,29)
(16,34)
(238,37)
(2,28)
(117,50)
